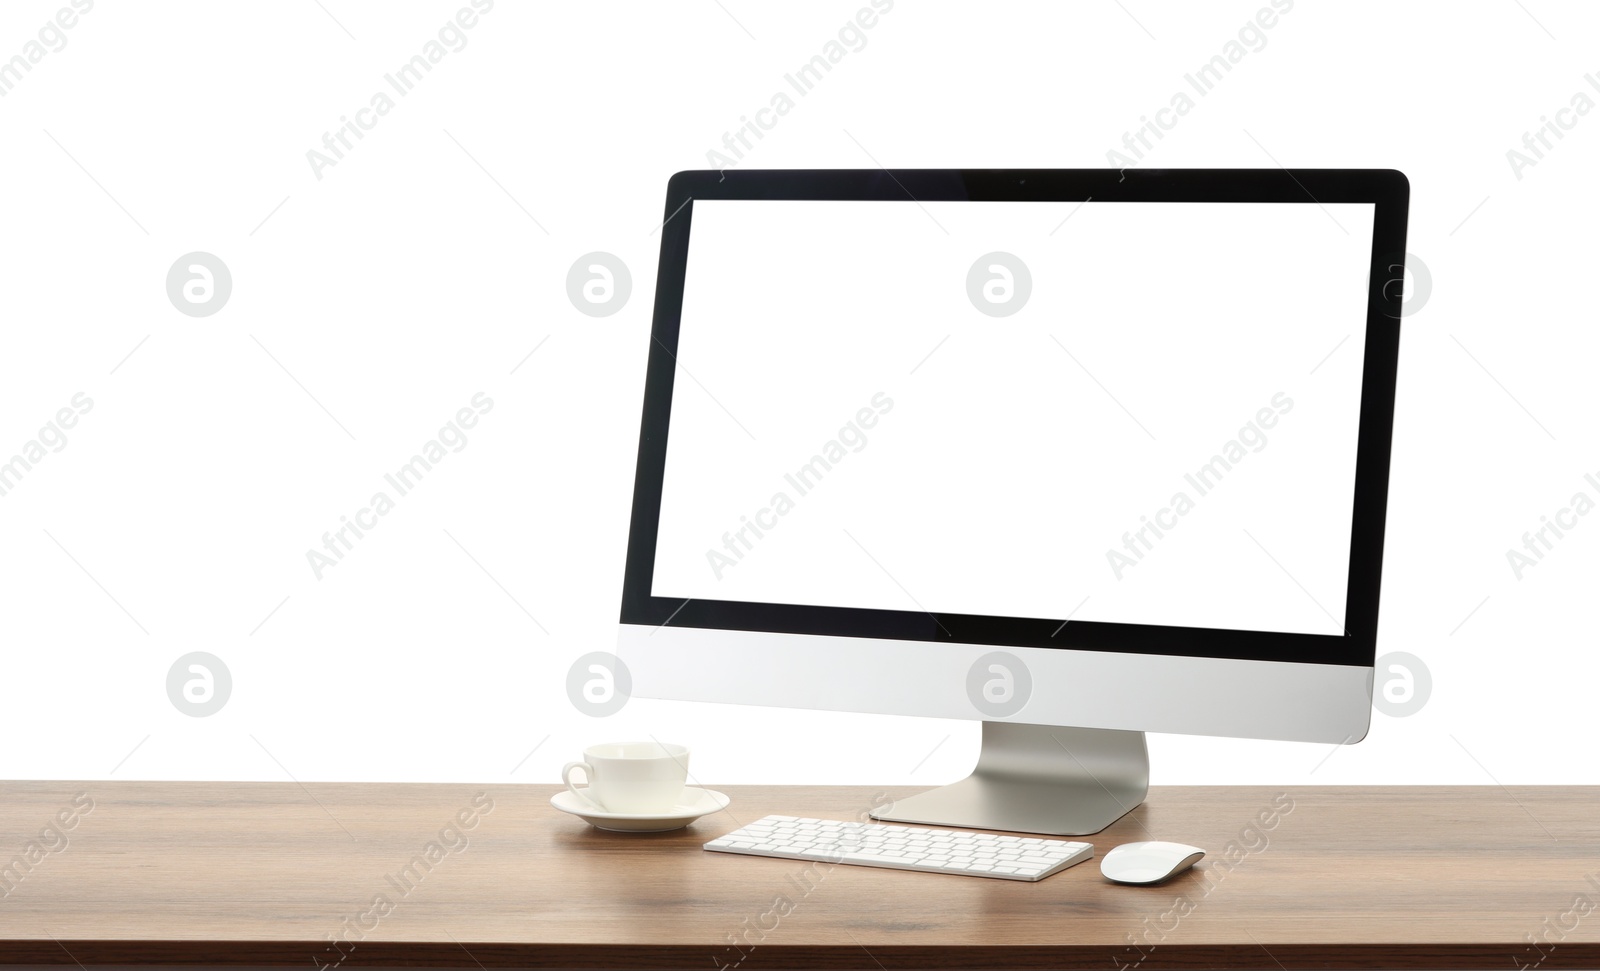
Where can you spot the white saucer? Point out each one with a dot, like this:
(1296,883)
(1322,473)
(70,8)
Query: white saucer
(696,802)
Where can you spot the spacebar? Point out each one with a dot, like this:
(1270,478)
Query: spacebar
(871,859)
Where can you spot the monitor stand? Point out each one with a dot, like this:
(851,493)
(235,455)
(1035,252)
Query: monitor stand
(1039,779)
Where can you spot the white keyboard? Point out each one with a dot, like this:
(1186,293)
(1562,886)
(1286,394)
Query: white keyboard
(903,847)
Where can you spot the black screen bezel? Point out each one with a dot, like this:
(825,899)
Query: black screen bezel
(1387,189)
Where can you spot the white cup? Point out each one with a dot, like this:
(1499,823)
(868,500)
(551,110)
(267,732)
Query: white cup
(631,777)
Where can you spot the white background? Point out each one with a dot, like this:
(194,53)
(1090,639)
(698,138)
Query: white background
(1016,452)
(413,275)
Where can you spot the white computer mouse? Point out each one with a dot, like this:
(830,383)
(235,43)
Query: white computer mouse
(1149,862)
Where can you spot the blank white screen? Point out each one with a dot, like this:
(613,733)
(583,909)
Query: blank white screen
(1022,459)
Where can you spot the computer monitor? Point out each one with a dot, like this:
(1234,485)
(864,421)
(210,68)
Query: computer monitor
(1081,454)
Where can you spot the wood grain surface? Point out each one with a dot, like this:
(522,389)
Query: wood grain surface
(361,875)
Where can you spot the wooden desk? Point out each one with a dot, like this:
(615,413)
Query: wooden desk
(266,874)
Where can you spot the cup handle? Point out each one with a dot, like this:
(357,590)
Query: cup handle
(588,774)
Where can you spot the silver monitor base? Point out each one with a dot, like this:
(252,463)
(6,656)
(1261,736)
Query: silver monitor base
(1038,779)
